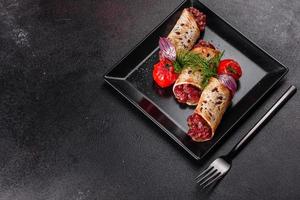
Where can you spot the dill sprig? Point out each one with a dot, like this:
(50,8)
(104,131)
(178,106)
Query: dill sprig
(190,59)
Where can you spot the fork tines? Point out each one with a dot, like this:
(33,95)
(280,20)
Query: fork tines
(208,176)
(213,172)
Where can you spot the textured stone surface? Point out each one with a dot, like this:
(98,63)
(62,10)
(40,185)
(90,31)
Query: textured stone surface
(64,134)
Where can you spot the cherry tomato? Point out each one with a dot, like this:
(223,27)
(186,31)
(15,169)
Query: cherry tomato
(230,67)
(164,74)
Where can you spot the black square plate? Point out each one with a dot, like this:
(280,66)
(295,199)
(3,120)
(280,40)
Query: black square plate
(132,77)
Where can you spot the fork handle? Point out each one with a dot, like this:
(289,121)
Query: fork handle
(267,116)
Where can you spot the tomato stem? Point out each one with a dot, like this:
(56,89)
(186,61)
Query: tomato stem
(231,69)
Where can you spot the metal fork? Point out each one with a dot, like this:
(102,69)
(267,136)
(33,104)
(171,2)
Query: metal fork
(219,167)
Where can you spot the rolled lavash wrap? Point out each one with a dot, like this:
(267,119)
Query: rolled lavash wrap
(211,107)
(187,88)
(186,32)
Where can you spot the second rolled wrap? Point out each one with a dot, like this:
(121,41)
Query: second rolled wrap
(189,82)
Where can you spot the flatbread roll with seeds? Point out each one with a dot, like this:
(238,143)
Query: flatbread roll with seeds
(208,114)
(186,32)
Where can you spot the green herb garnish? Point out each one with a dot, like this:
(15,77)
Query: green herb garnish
(208,68)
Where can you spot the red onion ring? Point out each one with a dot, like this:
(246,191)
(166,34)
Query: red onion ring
(167,49)
(229,82)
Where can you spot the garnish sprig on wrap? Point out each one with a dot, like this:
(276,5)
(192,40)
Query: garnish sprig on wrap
(195,61)
(195,67)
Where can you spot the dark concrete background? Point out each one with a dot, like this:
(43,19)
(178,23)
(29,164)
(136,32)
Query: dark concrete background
(64,134)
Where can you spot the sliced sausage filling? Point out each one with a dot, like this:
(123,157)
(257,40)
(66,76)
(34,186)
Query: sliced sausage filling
(198,127)
(203,43)
(200,18)
(187,93)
